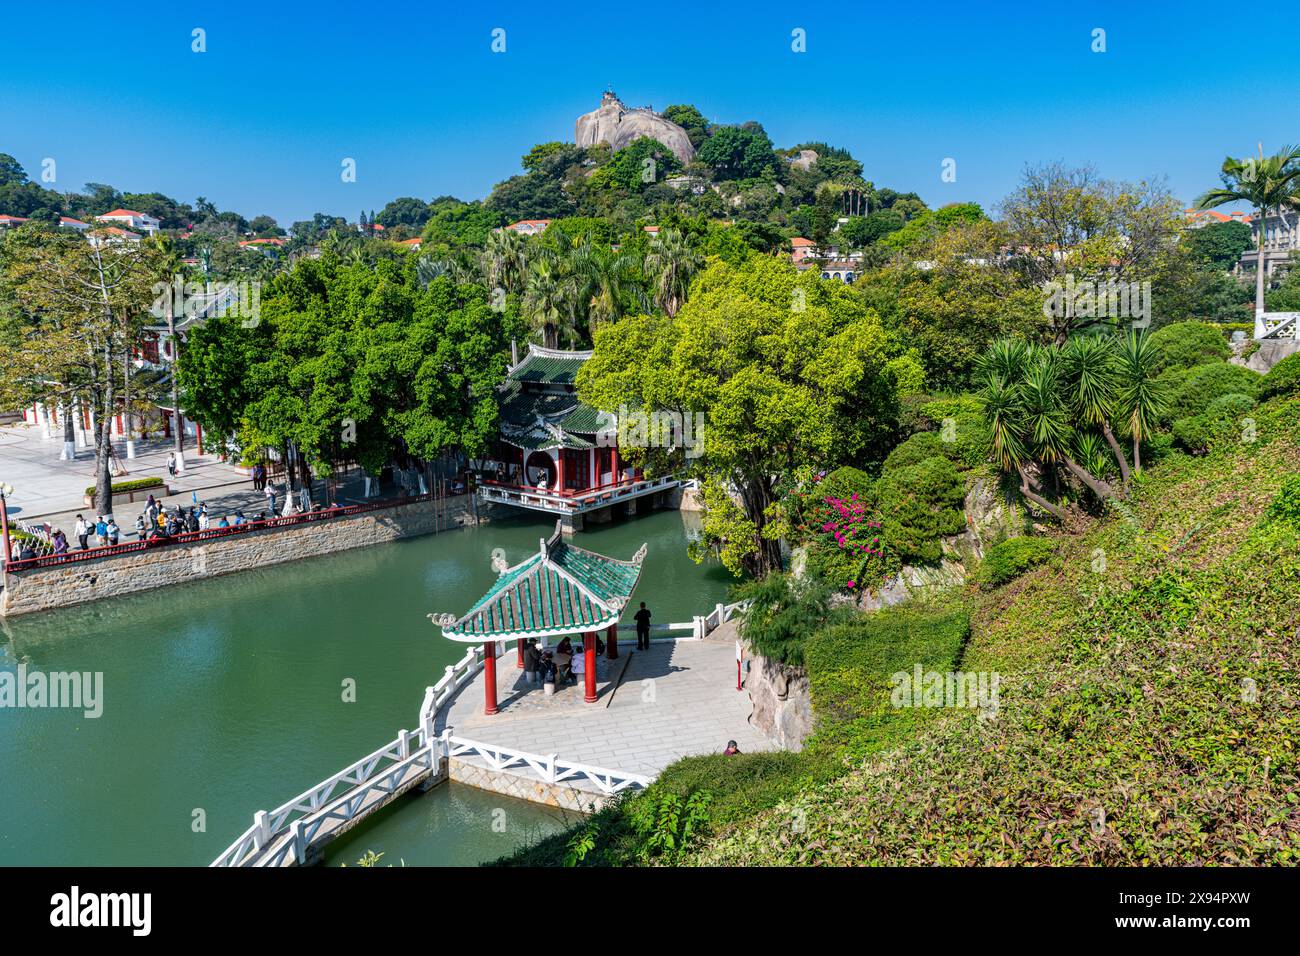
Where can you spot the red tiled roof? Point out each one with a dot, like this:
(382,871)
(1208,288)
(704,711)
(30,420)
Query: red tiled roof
(68,219)
(800,242)
(12,219)
(118,213)
(409,242)
(530,222)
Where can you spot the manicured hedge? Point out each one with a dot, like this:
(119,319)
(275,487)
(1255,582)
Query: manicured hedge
(1193,394)
(1283,378)
(135,484)
(1189,344)
(1006,561)
(918,505)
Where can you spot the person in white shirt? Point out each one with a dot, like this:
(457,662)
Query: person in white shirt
(83,531)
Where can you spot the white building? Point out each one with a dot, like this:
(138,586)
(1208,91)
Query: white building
(129,219)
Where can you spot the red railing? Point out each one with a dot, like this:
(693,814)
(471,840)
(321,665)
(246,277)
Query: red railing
(162,541)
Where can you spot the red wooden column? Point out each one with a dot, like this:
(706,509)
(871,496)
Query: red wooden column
(489,678)
(519,646)
(559,471)
(589,652)
(611,642)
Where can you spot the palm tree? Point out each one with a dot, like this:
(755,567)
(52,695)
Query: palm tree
(1266,183)
(505,260)
(1141,397)
(1004,367)
(671,264)
(1089,365)
(604,276)
(543,304)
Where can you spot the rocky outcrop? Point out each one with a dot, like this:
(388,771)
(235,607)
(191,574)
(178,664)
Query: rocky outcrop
(782,703)
(617,125)
(1269,353)
(988,518)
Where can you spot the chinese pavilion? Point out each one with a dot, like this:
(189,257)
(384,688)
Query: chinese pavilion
(555,453)
(559,591)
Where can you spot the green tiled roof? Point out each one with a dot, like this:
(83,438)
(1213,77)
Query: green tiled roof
(584,419)
(560,590)
(549,365)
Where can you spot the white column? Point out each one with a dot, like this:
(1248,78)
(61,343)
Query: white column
(43,417)
(78,429)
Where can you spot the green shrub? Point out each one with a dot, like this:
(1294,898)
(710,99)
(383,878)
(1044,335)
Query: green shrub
(915,450)
(1007,561)
(1285,507)
(918,505)
(850,668)
(1189,344)
(1283,378)
(135,484)
(782,612)
(1206,383)
(844,483)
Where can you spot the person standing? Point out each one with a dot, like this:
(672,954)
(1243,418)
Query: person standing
(171,463)
(642,618)
(270,499)
(112,530)
(82,531)
(531,660)
(101,532)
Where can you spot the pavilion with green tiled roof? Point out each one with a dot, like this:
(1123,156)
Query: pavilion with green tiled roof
(558,592)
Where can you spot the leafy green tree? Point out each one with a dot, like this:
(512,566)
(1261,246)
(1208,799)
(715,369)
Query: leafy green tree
(689,119)
(1219,244)
(738,152)
(786,369)
(406,211)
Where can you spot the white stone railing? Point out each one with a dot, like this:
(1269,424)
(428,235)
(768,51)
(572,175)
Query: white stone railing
(291,828)
(548,768)
(303,816)
(573,502)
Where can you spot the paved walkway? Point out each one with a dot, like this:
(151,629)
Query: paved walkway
(45,485)
(675,700)
(50,490)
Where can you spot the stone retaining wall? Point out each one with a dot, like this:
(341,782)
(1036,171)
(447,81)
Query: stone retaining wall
(525,787)
(41,589)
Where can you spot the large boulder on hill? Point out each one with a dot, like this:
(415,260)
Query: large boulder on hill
(617,125)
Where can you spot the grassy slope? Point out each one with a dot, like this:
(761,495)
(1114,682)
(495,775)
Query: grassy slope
(1122,693)
(1122,661)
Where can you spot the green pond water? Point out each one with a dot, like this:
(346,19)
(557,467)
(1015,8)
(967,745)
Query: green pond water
(225,696)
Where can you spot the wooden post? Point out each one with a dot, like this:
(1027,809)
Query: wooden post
(489,678)
(589,654)
(611,642)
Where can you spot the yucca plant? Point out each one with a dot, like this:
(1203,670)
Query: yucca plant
(1089,366)
(1141,398)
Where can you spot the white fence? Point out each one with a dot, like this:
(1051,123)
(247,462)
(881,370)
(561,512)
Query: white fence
(327,808)
(576,502)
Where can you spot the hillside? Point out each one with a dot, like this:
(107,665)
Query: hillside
(1147,705)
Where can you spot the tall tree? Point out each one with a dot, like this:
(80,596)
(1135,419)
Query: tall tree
(1269,184)
(671,264)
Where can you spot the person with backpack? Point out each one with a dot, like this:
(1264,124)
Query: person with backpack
(82,531)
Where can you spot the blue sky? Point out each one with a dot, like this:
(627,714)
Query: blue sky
(261,122)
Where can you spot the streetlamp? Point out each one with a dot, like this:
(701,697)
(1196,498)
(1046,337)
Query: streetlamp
(5,491)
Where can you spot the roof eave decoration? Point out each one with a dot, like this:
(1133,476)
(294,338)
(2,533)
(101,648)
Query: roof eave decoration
(559,590)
